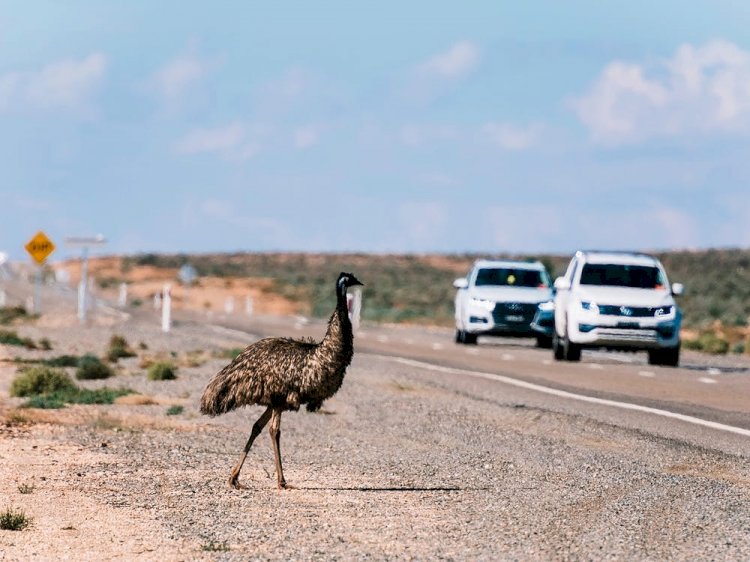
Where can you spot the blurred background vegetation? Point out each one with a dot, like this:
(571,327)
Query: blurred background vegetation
(418,288)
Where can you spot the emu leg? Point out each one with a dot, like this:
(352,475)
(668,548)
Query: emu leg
(257,428)
(275,431)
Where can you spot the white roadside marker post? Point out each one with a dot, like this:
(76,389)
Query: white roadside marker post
(3,298)
(249,305)
(229,305)
(122,299)
(166,309)
(83,284)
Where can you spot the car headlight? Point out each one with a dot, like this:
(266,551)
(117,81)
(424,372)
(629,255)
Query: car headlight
(663,311)
(590,307)
(547,306)
(483,303)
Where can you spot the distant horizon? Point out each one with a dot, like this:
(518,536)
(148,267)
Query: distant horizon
(471,254)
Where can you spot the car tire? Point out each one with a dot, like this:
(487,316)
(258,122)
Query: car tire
(669,357)
(459,336)
(557,348)
(571,351)
(544,342)
(470,339)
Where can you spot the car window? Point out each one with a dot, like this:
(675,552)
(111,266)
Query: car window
(619,275)
(511,277)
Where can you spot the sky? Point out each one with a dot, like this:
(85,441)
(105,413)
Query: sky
(408,127)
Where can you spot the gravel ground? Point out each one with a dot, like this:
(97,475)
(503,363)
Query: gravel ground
(397,465)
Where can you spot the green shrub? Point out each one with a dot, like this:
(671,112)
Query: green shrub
(63,361)
(708,342)
(13,520)
(118,347)
(739,348)
(40,380)
(25,488)
(10,313)
(57,400)
(162,371)
(230,353)
(91,367)
(175,410)
(45,344)
(9,337)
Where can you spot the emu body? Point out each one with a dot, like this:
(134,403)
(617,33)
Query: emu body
(283,374)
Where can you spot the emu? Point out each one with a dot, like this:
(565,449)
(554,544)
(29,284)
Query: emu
(282,374)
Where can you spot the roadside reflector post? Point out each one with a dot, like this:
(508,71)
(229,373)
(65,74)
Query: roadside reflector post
(83,285)
(166,308)
(249,305)
(3,298)
(229,305)
(122,298)
(354,306)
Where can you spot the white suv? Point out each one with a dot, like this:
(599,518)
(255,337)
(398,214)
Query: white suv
(617,300)
(500,298)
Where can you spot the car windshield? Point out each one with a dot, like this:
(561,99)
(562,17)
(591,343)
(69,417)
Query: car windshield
(511,277)
(618,275)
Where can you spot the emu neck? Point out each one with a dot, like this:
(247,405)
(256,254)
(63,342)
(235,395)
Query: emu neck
(339,336)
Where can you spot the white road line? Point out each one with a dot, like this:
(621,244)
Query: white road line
(707,380)
(646,373)
(569,395)
(713,371)
(437,346)
(595,367)
(547,362)
(232,332)
(507,357)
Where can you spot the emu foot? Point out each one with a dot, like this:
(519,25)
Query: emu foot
(234,482)
(284,486)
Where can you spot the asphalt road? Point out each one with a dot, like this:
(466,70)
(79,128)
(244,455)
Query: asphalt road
(714,390)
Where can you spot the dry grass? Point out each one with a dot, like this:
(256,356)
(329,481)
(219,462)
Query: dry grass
(135,400)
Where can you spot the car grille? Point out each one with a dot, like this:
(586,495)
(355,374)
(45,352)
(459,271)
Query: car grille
(630,311)
(523,310)
(629,334)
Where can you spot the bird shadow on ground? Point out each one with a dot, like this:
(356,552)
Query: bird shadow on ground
(389,489)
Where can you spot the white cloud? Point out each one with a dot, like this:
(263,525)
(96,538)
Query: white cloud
(66,84)
(701,89)
(511,137)
(458,61)
(417,135)
(305,137)
(177,76)
(221,140)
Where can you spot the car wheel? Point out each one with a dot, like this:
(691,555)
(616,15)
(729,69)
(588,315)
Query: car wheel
(572,351)
(545,342)
(669,357)
(459,336)
(654,357)
(557,348)
(470,339)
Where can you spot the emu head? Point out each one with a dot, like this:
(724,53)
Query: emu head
(347,280)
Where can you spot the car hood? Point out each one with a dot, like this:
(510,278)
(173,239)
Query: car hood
(624,296)
(511,294)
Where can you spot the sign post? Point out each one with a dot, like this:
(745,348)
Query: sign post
(39,248)
(84,243)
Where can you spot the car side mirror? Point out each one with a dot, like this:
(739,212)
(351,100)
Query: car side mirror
(562,284)
(678,289)
(461,283)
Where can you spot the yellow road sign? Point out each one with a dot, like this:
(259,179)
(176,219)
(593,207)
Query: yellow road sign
(40,247)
